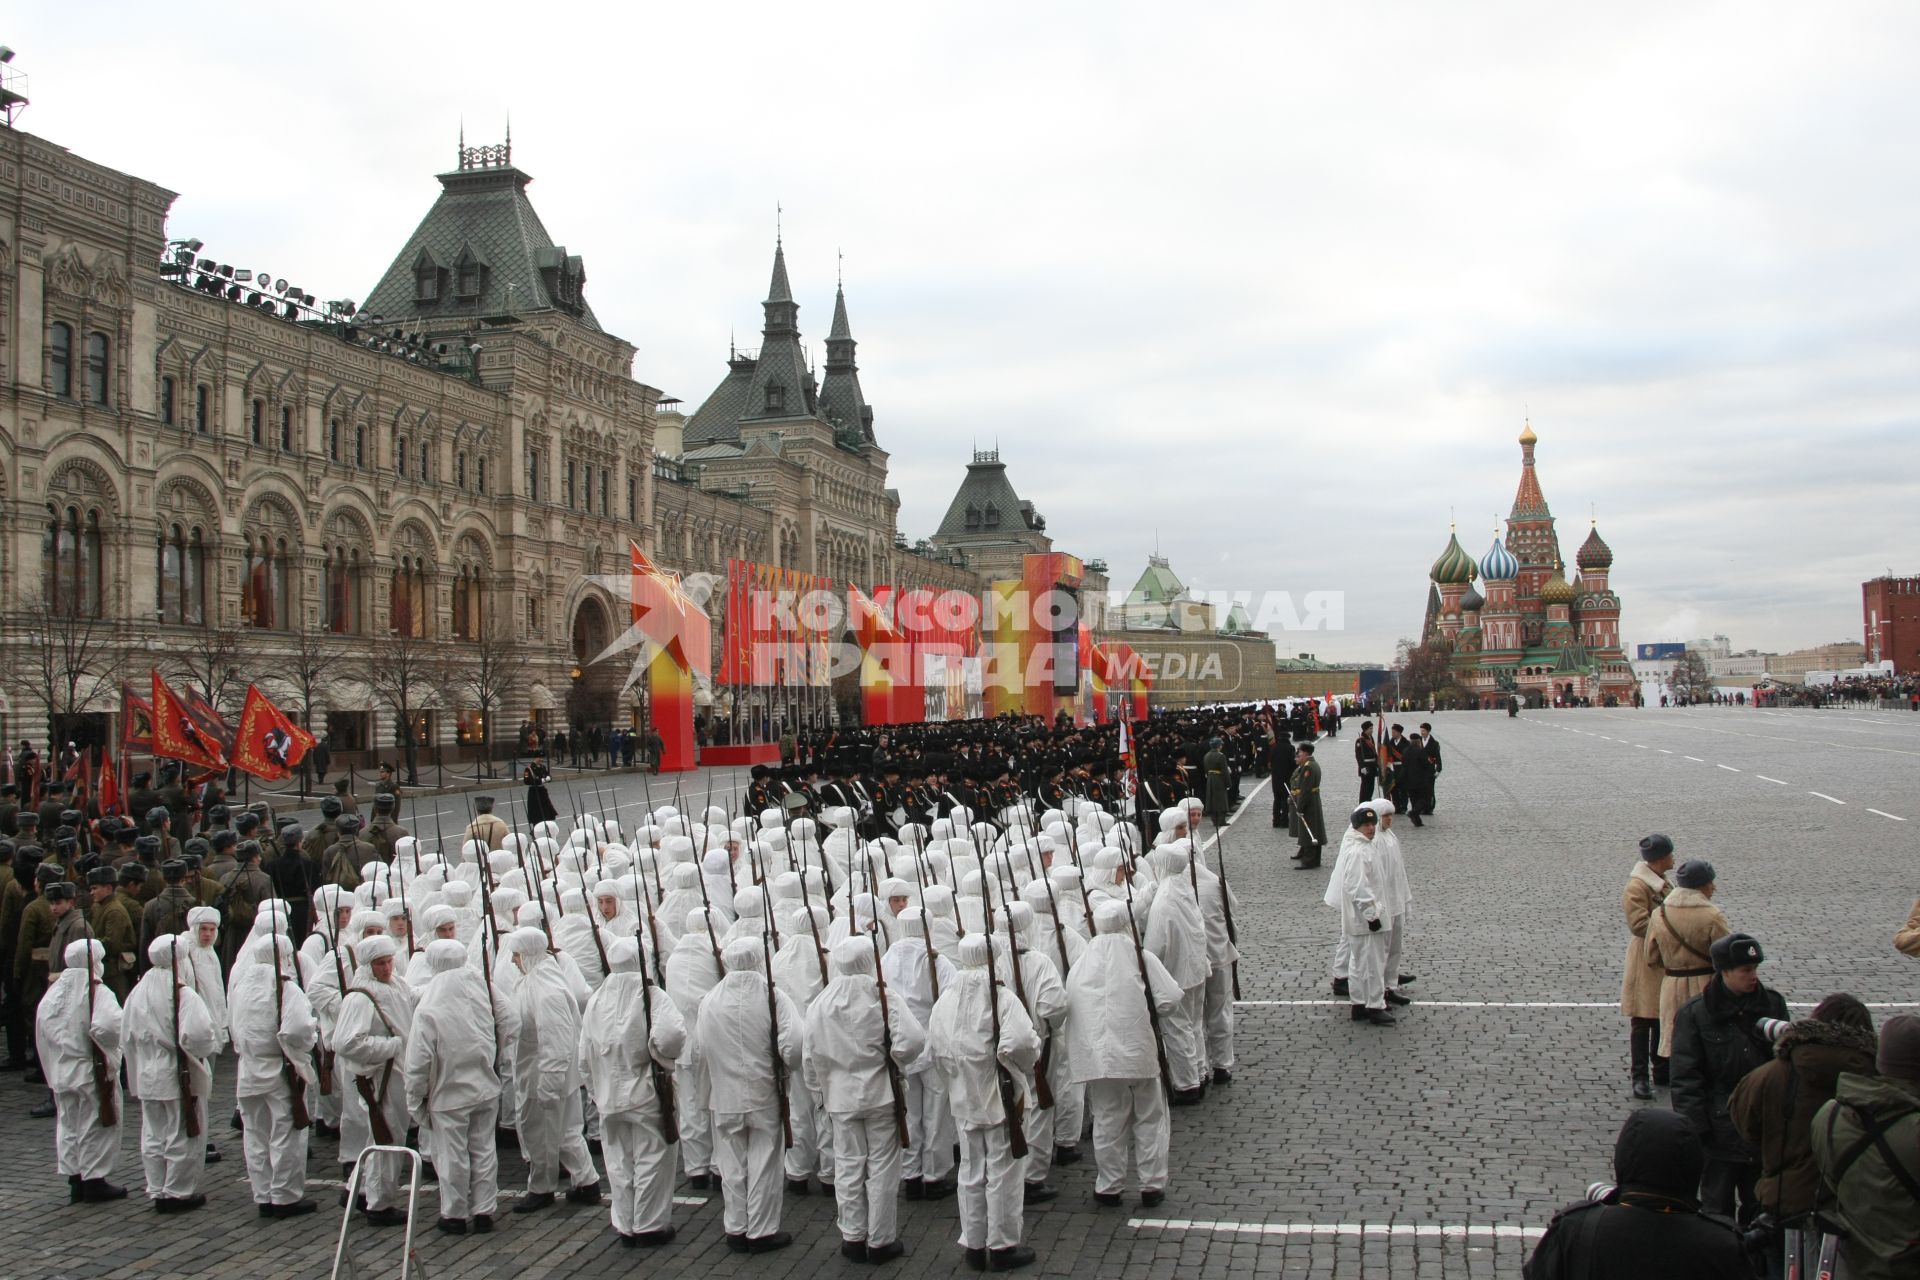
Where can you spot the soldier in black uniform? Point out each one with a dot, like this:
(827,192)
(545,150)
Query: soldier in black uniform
(9,809)
(143,798)
(1366,758)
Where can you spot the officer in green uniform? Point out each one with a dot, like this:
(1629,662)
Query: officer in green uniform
(1307,824)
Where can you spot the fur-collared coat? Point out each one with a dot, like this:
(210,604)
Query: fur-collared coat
(1640,985)
(1680,936)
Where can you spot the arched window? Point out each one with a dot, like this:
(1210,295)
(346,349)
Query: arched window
(460,470)
(426,462)
(286,429)
(400,456)
(360,446)
(343,590)
(407,599)
(166,401)
(257,421)
(97,368)
(181,592)
(60,359)
(264,597)
(333,439)
(480,475)
(70,562)
(469,589)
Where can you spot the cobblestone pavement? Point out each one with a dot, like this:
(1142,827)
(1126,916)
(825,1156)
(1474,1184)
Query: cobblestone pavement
(1438,1147)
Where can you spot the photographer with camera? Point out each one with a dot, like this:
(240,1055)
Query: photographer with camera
(1720,1036)
(1773,1109)
(1648,1225)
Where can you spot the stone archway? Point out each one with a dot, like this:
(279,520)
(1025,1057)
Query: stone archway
(594,695)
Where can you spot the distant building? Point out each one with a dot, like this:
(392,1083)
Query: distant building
(1160,601)
(1891,610)
(1533,631)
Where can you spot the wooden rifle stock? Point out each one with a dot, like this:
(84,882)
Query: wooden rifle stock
(109,1108)
(182,1064)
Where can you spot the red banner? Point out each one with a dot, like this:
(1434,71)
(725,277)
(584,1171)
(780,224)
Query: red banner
(136,721)
(109,792)
(176,736)
(267,744)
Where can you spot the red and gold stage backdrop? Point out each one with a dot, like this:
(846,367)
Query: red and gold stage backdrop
(680,648)
(931,624)
(778,629)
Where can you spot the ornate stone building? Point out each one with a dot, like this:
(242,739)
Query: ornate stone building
(1532,631)
(203,460)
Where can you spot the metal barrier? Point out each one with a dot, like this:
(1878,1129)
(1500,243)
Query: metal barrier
(407,1258)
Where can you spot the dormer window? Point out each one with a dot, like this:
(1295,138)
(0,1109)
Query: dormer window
(973,517)
(776,398)
(427,279)
(469,277)
(993,516)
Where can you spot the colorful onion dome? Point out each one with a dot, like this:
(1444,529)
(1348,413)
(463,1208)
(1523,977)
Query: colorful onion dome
(1472,601)
(1594,553)
(1556,589)
(1454,564)
(1498,565)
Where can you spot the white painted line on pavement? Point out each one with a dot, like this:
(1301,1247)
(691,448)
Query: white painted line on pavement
(1696,759)
(1665,752)
(1516,1004)
(1729,768)
(1235,815)
(1824,796)
(1883,813)
(1393,1231)
(1643,746)
(1764,778)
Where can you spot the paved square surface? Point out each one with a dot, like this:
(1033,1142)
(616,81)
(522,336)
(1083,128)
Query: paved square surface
(1438,1147)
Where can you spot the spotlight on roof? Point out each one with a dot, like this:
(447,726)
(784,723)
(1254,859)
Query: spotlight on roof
(280,285)
(243,275)
(207,264)
(290,310)
(306,300)
(226,271)
(194,246)
(233,293)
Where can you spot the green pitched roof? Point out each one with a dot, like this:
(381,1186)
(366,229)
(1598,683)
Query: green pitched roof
(1157,584)
(986,504)
(483,220)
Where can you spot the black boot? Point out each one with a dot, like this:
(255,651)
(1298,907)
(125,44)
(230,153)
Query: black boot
(1639,1052)
(1660,1079)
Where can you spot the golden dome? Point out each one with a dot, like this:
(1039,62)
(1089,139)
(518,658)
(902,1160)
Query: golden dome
(1556,589)
(1527,436)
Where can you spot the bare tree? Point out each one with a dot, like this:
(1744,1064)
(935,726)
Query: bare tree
(1691,679)
(1426,672)
(211,661)
(403,671)
(74,657)
(485,675)
(307,672)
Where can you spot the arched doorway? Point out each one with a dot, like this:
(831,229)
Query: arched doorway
(593,696)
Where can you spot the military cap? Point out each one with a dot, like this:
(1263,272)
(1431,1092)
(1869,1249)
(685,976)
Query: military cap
(60,891)
(100,875)
(174,870)
(348,824)
(147,846)
(330,807)
(197,847)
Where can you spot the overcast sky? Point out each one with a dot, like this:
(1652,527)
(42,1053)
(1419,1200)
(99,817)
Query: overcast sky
(1275,285)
